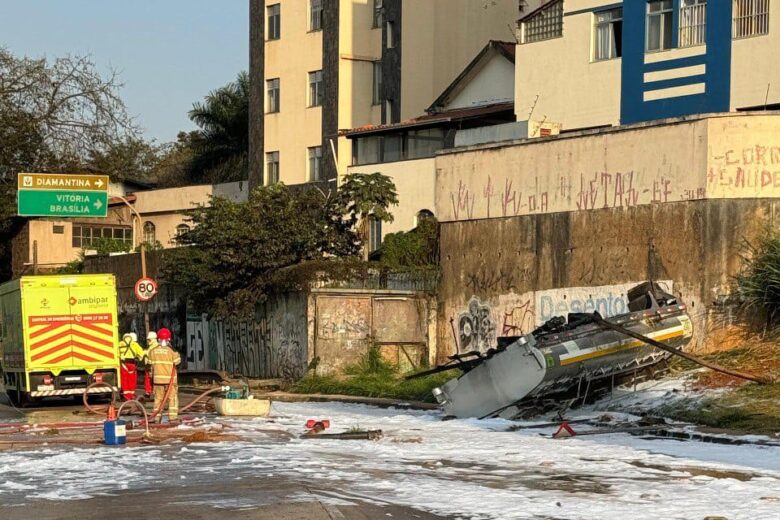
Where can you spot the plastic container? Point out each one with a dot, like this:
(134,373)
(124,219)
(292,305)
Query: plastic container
(114,432)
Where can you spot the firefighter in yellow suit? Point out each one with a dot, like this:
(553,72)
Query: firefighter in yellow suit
(163,360)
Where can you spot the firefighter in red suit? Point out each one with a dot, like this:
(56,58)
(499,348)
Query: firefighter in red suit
(130,355)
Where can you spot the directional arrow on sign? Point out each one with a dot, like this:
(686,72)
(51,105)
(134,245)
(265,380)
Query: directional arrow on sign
(99,183)
(98,204)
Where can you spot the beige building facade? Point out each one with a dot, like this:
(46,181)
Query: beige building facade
(49,244)
(323,66)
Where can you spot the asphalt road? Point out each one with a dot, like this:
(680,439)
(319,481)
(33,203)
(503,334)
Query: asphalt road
(257,499)
(260,499)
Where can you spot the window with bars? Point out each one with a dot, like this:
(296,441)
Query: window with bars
(315,163)
(751,18)
(272,168)
(608,34)
(693,23)
(150,233)
(85,236)
(545,24)
(659,25)
(274,23)
(315,88)
(376,97)
(272,101)
(181,230)
(315,15)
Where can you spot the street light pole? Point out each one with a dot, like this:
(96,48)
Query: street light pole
(142,250)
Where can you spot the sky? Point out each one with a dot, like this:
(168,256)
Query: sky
(169,53)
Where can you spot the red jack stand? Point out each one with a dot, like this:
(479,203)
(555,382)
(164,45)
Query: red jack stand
(564,431)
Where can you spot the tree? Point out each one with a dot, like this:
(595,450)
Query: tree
(71,108)
(361,196)
(235,250)
(55,116)
(221,145)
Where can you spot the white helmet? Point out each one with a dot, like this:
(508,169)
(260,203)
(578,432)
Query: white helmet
(151,336)
(133,336)
(127,335)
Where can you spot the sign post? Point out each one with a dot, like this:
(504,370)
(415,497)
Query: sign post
(62,195)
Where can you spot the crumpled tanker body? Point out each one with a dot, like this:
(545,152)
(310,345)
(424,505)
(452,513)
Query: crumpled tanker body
(545,363)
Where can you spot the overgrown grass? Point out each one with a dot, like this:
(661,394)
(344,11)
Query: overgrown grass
(759,280)
(751,408)
(373,376)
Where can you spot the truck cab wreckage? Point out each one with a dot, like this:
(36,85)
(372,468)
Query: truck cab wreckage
(563,354)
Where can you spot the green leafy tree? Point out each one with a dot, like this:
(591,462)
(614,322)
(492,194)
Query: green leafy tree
(418,248)
(364,195)
(220,146)
(236,250)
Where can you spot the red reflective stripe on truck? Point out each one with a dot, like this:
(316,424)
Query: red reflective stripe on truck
(50,351)
(49,341)
(94,350)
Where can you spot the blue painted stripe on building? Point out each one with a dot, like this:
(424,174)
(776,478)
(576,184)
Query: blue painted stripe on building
(716,60)
(676,63)
(675,82)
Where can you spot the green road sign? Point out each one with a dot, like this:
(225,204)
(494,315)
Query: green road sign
(56,195)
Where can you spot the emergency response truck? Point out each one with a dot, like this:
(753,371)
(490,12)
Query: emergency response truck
(58,335)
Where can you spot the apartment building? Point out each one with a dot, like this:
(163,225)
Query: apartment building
(590,63)
(321,66)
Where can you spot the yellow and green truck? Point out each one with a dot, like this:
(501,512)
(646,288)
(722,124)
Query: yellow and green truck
(58,335)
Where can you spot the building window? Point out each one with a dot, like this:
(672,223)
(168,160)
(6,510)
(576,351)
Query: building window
(315,15)
(379,14)
(608,34)
(181,230)
(545,24)
(315,163)
(367,150)
(315,88)
(693,23)
(85,236)
(423,215)
(272,168)
(424,143)
(274,24)
(272,101)
(150,233)
(376,98)
(58,230)
(388,116)
(374,234)
(389,35)
(659,25)
(751,18)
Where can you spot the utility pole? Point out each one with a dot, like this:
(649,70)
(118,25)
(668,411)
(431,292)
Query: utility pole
(142,251)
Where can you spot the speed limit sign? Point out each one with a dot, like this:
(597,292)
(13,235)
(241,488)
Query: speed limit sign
(145,289)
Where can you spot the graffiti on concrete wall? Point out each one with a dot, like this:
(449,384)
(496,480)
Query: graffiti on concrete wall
(273,345)
(746,171)
(476,327)
(488,198)
(512,314)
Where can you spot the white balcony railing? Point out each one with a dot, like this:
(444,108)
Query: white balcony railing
(693,24)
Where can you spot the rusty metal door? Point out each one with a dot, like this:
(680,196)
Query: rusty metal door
(346,326)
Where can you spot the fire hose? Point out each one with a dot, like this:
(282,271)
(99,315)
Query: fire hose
(137,404)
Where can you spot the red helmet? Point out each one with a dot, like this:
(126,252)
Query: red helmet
(164,334)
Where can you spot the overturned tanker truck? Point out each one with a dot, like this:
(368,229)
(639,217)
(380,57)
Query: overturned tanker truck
(562,354)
